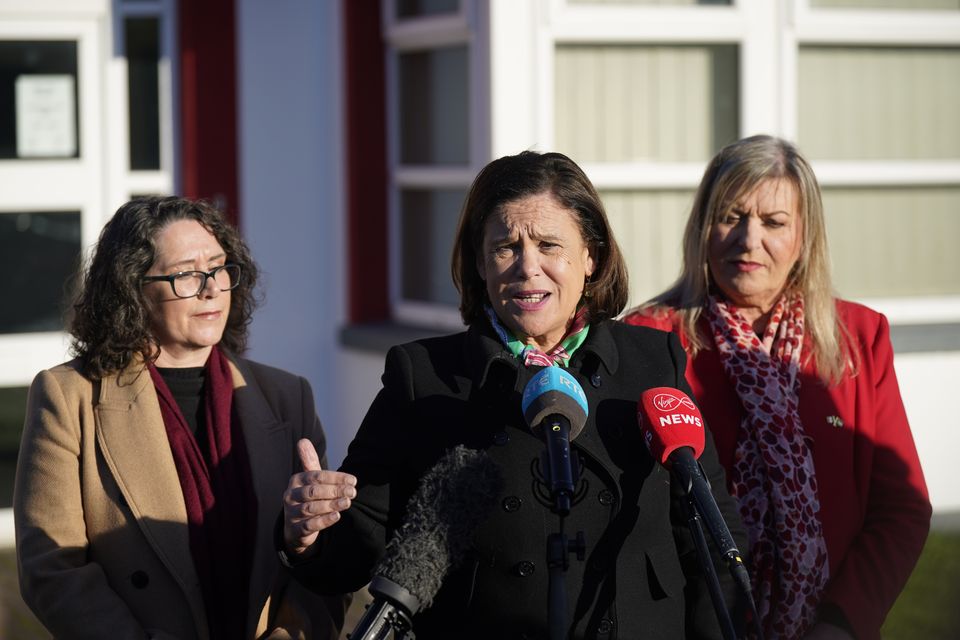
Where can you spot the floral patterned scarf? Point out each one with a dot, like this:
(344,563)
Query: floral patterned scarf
(531,356)
(773,476)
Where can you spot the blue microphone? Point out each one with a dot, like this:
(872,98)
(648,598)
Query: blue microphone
(555,407)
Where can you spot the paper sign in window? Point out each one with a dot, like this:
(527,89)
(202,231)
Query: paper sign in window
(46,116)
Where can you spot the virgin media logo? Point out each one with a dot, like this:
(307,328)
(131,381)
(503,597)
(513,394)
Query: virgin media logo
(671,402)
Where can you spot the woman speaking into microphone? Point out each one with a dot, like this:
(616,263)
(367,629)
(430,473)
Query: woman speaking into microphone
(540,278)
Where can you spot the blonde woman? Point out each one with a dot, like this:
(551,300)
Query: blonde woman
(799,390)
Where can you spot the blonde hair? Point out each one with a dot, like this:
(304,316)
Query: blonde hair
(735,171)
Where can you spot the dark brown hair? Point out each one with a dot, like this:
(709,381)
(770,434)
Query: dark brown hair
(110,323)
(530,173)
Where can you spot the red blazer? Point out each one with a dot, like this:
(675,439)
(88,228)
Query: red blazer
(873,499)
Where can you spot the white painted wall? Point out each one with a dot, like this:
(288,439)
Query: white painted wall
(927,382)
(291,192)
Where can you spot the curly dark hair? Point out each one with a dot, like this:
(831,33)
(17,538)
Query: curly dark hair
(529,173)
(109,323)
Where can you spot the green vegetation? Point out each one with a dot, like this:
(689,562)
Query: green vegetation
(17,622)
(928,607)
(13,404)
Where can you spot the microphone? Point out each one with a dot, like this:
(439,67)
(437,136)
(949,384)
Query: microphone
(555,407)
(453,498)
(673,429)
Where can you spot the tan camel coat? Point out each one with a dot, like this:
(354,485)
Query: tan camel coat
(101,525)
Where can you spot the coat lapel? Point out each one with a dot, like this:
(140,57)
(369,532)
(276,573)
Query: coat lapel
(266,439)
(131,433)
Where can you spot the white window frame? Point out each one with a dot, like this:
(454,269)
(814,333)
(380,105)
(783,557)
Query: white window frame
(806,25)
(100,180)
(28,185)
(125,182)
(466,27)
(768,34)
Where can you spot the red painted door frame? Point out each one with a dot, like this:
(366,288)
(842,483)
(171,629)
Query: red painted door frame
(208,102)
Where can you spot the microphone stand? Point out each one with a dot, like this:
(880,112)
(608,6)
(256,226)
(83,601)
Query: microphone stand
(558,549)
(689,507)
(388,615)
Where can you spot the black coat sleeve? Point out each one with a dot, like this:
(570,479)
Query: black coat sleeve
(381,456)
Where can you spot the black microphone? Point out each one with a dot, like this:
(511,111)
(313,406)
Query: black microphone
(555,407)
(673,429)
(453,498)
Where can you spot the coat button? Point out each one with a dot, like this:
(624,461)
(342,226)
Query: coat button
(605,497)
(524,568)
(605,626)
(511,504)
(595,380)
(501,438)
(140,579)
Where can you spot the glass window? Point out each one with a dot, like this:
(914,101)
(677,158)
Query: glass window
(886,4)
(38,99)
(428,226)
(876,103)
(434,106)
(13,405)
(894,241)
(421,8)
(39,252)
(648,225)
(624,103)
(142,43)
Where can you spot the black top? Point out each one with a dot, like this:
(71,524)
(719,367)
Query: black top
(186,384)
(640,578)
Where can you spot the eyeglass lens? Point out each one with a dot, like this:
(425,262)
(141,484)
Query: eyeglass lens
(191,283)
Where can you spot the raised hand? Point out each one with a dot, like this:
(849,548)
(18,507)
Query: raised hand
(313,500)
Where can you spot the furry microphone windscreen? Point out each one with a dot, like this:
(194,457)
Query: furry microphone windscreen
(453,498)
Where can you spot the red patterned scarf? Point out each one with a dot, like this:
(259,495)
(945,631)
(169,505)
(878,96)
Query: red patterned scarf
(773,475)
(218,493)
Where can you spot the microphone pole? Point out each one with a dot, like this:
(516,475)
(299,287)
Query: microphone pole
(673,430)
(688,505)
(555,407)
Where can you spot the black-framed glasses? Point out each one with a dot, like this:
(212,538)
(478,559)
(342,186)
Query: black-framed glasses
(188,284)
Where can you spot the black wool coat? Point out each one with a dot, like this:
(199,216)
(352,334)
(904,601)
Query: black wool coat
(640,577)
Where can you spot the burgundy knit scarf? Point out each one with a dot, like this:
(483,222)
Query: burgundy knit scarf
(218,492)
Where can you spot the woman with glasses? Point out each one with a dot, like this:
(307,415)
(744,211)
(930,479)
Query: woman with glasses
(151,464)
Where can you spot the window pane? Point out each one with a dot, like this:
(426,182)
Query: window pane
(648,225)
(421,8)
(434,106)
(632,103)
(875,103)
(13,405)
(143,78)
(895,241)
(886,4)
(429,223)
(38,100)
(39,252)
